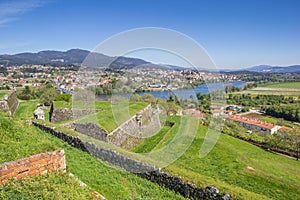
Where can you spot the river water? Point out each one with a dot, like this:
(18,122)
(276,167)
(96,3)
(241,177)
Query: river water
(185,93)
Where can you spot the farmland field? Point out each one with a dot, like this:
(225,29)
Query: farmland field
(295,85)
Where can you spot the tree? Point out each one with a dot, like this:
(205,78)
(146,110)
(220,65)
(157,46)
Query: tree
(48,96)
(293,137)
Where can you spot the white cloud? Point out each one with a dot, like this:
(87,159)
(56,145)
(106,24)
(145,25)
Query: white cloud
(11,10)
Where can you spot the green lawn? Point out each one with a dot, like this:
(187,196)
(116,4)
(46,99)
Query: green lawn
(282,85)
(150,143)
(25,110)
(109,117)
(59,186)
(162,138)
(226,165)
(18,140)
(236,167)
(277,121)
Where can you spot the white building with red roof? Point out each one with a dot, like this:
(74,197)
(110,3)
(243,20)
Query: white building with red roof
(254,124)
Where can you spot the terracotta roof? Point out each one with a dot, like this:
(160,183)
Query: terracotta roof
(245,120)
(285,128)
(217,111)
(193,112)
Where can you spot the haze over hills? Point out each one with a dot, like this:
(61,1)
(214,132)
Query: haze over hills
(78,56)
(275,69)
(71,57)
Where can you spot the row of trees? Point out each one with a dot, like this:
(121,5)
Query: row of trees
(267,78)
(288,112)
(259,100)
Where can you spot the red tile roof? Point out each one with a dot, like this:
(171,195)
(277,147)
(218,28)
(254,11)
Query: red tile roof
(285,128)
(254,122)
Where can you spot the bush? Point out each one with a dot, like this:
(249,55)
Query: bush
(63,97)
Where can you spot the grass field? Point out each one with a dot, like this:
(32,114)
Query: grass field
(109,117)
(228,167)
(18,140)
(59,186)
(278,122)
(237,167)
(234,166)
(272,91)
(287,89)
(282,85)
(25,110)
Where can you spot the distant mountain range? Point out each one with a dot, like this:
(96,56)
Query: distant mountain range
(92,59)
(71,57)
(274,69)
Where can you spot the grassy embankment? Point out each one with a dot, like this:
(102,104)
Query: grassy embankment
(237,167)
(234,166)
(18,140)
(108,117)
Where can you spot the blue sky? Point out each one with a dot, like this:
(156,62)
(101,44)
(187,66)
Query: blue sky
(235,33)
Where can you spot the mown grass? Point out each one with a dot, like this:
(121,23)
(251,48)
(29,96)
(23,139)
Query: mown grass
(282,85)
(58,186)
(228,167)
(25,110)
(276,121)
(236,167)
(108,116)
(21,140)
(150,143)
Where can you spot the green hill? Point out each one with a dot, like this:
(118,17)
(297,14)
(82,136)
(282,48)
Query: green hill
(236,167)
(18,140)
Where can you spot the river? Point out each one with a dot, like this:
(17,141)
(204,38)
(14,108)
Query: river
(185,93)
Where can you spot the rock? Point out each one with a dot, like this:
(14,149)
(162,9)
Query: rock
(226,197)
(213,190)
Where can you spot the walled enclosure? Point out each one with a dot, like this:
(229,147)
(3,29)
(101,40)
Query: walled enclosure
(63,114)
(9,103)
(150,173)
(33,166)
(128,134)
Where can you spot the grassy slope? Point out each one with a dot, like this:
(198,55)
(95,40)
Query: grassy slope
(150,143)
(25,110)
(226,165)
(59,186)
(282,85)
(19,140)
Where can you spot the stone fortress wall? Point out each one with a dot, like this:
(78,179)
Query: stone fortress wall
(9,103)
(144,124)
(141,169)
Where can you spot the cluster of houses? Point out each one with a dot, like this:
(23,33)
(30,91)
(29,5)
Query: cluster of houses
(258,125)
